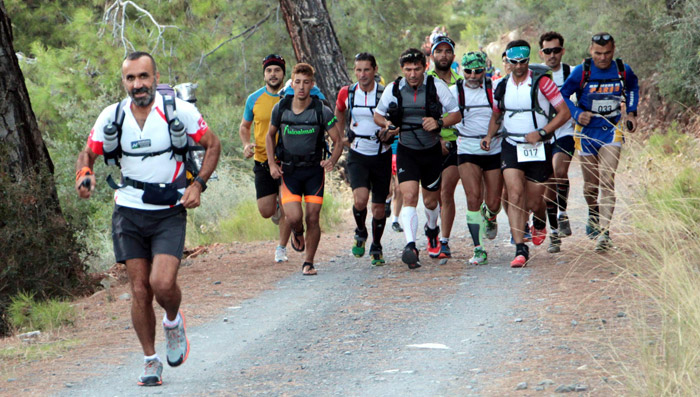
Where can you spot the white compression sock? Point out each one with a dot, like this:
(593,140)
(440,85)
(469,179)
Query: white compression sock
(433,216)
(409,220)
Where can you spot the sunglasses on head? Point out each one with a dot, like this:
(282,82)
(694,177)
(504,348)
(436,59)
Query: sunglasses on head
(411,57)
(601,39)
(518,61)
(555,50)
(273,56)
(474,71)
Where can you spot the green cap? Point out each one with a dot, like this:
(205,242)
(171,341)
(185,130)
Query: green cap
(474,59)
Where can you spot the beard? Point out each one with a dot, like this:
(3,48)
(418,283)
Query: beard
(146,100)
(443,66)
(473,83)
(275,86)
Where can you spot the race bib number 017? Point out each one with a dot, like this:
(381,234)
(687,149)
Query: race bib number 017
(529,152)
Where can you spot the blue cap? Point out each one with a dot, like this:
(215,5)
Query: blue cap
(442,39)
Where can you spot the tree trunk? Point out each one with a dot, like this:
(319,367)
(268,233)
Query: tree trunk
(38,251)
(315,42)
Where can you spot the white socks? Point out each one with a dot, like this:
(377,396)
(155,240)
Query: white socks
(173,323)
(409,220)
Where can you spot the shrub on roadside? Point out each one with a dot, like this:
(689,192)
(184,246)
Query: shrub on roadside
(27,314)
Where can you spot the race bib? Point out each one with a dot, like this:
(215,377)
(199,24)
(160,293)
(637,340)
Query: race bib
(140,144)
(606,107)
(529,152)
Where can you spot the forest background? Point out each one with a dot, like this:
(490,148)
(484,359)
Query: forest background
(71,52)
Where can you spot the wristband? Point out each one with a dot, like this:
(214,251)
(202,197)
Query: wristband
(83,171)
(201,183)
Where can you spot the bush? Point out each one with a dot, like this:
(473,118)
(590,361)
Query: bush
(26,314)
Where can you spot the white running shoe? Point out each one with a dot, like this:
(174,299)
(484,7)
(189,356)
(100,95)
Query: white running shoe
(281,254)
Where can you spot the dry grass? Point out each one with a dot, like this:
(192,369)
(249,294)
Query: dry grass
(662,264)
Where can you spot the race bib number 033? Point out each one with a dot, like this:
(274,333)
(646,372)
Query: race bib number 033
(606,107)
(529,152)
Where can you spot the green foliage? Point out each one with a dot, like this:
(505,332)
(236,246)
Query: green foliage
(27,314)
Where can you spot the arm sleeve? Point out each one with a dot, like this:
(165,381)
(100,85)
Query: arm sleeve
(248,111)
(386,99)
(329,118)
(632,84)
(341,102)
(572,86)
(449,103)
(550,91)
(194,122)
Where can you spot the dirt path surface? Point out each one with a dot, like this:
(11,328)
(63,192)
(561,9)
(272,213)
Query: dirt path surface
(258,328)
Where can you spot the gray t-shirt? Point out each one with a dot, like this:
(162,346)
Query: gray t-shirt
(299,132)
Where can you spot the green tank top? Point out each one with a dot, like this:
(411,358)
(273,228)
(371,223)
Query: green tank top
(448,134)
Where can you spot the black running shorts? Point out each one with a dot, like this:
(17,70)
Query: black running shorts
(143,234)
(564,145)
(423,165)
(371,172)
(485,162)
(536,171)
(450,159)
(302,181)
(265,184)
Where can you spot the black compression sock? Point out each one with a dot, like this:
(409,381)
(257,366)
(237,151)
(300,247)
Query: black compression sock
(593,213)
(552,215)
(538,223)
(562,195)
(377,230)
(360,217)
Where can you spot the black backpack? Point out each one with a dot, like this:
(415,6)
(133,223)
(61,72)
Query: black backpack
(488,87)
(433,108)
(321,149)
(621,75)
(351,103)
(538,71)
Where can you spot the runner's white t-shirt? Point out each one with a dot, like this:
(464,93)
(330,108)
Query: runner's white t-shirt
(568,127)
(475,122)
(153,138)
(362,119)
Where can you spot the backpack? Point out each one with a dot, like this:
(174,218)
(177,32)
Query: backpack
(567,70)
(169,109)
(351,99)
(488,87)
(321,149)
(538,71)
(621,75)
(433,108)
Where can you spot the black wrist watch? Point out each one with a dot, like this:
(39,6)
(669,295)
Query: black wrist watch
(440,123)
(201,183)
(543,133)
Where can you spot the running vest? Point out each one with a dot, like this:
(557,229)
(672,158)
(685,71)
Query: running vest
(289,146)
(538,71)
(487,85)
(175,127)
(424,102)
(612,107)
(351,104)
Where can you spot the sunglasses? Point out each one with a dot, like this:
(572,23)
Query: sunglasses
(518,61)
(555,50)
(474,71)
(411,57)
(601,39)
